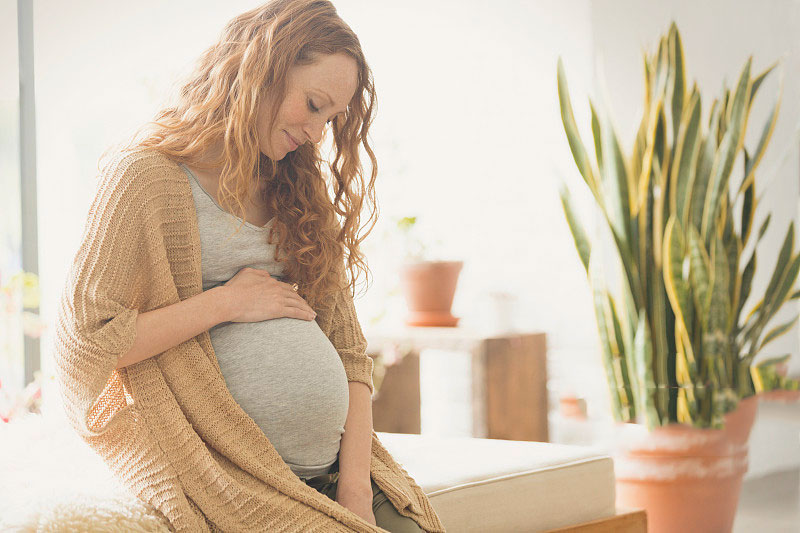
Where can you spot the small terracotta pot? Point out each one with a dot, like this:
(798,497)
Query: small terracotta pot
(687,479)
(429,288)
(572,407)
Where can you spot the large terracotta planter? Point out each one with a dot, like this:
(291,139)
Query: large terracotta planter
(687,479)
(429,288)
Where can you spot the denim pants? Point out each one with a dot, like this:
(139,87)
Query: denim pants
(386,516)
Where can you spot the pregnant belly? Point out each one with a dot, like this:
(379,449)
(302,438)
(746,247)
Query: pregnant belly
(288,377)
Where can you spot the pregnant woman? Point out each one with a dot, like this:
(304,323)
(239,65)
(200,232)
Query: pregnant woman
(207,344)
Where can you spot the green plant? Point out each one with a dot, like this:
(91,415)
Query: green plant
(674,346)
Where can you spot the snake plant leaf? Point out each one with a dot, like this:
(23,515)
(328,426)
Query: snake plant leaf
(627,365)
(736,113)
(678,288)
(734,249)
(662,69)
(766,377)
(718,180)
(700,275)
(629,315)
(795,295)
(648,79)
(715,337)
(686,156)
(660,150)
(659,312)
(787,282)
(676,272)
(582,243)
(724,105)
(747,281)
(736,116)
(705,162)
(713,114)
(782,264)
(764,225)
(652,119)
(771,304)
(637,161)
(749,270)
(571,129)
(720,286)
(748,211)
(614,377)
(598,139)
(777,332)
(760,79)
(616,184)
(766,134)
(643,355)
(678,88)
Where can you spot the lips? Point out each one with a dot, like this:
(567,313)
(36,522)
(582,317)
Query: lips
(293,143)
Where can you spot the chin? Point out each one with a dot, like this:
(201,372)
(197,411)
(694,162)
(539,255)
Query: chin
(273,157)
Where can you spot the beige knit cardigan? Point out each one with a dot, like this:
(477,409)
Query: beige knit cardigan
(168,427)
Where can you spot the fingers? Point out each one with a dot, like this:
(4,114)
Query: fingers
(293,304)
(296,312)
(296,302)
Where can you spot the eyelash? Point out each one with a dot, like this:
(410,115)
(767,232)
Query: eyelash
(315,109)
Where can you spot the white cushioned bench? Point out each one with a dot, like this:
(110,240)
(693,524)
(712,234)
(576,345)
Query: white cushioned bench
(51,481)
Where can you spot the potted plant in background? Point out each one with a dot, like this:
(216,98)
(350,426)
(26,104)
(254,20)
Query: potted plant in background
(679,357)
(428,286)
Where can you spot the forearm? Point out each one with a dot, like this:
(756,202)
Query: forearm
(355,450)
(161,329)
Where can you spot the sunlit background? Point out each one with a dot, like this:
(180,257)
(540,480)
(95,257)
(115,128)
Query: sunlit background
(468,138)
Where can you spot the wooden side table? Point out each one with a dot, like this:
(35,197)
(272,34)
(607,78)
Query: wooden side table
(508,389)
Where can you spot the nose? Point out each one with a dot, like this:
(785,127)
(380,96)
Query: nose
(313,131)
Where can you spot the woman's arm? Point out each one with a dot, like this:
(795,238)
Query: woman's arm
(252,295)
(354,489)
(161,329)
(355,449)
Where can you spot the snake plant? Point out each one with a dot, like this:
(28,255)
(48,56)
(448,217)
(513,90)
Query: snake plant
(675,346)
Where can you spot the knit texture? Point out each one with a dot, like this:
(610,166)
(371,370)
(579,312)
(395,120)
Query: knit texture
(167,426)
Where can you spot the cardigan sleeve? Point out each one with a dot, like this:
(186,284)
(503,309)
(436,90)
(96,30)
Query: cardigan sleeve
(99,304)
(348,339)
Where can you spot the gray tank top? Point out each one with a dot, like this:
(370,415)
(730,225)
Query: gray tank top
(284,372)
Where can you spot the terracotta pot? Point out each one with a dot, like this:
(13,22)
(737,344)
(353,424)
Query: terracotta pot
(687,479)
(572,407)
(429,288)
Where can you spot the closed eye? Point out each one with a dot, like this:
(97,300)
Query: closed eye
(315,109)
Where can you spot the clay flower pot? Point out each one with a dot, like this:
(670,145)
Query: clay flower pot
(687,479)
(429,288)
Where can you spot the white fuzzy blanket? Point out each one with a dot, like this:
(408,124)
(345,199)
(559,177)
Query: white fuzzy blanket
(50,481)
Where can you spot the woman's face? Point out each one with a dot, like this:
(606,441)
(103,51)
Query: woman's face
(315,94)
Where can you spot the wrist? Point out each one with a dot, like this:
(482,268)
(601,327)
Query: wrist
(356,486)
(221,304)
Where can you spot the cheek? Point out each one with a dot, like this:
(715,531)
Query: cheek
(292,114)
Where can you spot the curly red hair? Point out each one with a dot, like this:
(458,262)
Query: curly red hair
(317,214)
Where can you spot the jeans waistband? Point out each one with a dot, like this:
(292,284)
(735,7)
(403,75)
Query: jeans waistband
(330,477)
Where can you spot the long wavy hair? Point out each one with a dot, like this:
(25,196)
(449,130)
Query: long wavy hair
(317,214)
